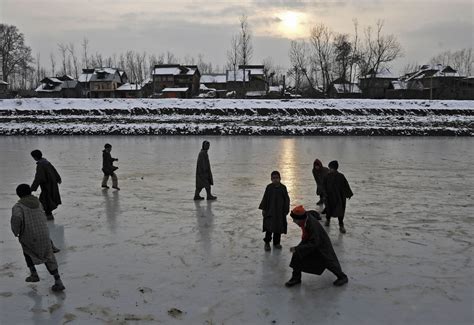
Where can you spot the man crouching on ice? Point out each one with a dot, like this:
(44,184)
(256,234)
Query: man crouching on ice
(28,223)
(314,253)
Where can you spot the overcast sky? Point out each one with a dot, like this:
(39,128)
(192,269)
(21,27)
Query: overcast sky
(184,27)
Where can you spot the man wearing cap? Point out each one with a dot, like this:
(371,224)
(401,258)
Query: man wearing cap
(337,190)
(28,223)
(314,253)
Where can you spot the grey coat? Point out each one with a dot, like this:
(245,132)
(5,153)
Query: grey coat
(28,223)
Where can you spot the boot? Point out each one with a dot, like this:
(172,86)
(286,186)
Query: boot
(197,198)
(341,281)
(33,277)
(116,187)
(342,229)
(267,247)
(295,279)
(58,286)
(328,222)
(277,246)
(211,197)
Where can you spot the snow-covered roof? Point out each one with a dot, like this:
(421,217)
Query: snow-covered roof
(213,78)
(255,70)
(437,70)
(237,75)
(129,86)
(174,70)
(175,90)
(85,77)
(399,84)
(383,73)
(347,88)
(41,89)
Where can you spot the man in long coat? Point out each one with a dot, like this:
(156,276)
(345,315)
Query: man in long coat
(48,179)
(337,190)
(204,174)
(28,223)
(275,205)
(319,173)
(314,253)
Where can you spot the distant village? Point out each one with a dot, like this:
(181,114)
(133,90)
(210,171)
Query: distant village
(249,81)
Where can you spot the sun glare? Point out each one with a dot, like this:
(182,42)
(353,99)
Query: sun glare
(290,23)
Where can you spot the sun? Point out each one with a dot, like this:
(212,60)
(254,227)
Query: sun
(290,23)
(290,20)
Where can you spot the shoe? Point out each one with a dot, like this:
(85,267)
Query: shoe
(320,202)
(342,229)
(292,282)
(341,281)
(327,223)
(197,198)
(116,187)
(277,246)
(58,286)
(324,211)
(105,186)
(211,197)
(56,250)
(33,278)
(267,247)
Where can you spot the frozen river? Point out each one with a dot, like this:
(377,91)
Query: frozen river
(132,256)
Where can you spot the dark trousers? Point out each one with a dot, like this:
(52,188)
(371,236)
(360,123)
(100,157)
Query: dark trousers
(340,219)
(268,237)
(198,191)
(31,266)
(336,270)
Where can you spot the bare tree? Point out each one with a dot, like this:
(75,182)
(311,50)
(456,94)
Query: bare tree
(461,60)
(53,64)
(409,68)
(300,65)
(342,55)
(233,55)
(321,40)
(379,50)
(63,52)
(14,54)
(171,58)
(246,48)
(85,49)
(73,56)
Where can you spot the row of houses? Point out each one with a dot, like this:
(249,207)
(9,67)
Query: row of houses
(185,81)
(166,81)
(429,82)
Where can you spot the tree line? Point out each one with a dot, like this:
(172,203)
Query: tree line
(314,62)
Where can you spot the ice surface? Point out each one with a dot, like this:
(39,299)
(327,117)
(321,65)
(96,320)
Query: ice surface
(146,253)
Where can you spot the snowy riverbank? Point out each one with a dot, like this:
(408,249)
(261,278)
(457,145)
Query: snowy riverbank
(58,116)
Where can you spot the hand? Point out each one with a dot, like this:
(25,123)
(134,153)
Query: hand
(116,159)
(292,249)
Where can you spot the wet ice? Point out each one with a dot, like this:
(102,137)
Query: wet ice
(134,255)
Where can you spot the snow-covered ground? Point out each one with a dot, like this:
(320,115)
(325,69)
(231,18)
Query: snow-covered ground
(130,257)
(235,117)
